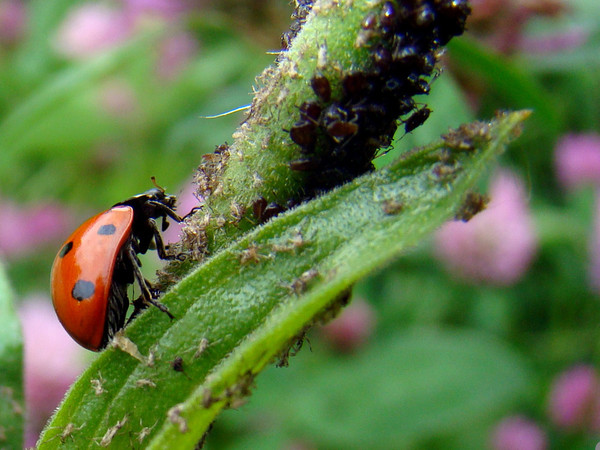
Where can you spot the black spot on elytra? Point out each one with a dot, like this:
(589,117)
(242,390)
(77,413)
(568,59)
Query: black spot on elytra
(82,290)
(107,229)
(66,249)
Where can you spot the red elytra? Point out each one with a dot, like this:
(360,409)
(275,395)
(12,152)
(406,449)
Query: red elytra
(95,265)
(82,274)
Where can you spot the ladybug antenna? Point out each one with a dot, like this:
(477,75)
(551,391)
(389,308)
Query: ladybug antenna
(160,188)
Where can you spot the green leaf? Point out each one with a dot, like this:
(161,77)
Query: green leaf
(40,113)
(245,306)
(412,387)
(11,376)
(516,87)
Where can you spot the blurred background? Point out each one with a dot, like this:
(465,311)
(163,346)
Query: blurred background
(486,335)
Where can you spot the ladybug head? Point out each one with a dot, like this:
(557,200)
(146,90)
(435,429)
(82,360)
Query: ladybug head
(153,203)
(158,194)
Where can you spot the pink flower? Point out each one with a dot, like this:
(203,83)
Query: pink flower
(594,270)
(503,23)
(90,29)
(352,328)
(575,399)
(52,362)
(26,228)
(186,201)
(518,433)
(167,9)
(498,244)
(13,18)
(118,98)
(577,160)
(174,55)
(555,42)
(485,9)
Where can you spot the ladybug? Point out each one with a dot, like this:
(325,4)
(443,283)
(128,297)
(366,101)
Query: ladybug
(95,265)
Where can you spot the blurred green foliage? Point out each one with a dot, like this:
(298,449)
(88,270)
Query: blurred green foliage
(58,142)
(12,408)
(448,358)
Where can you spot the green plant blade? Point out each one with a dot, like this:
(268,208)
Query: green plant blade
(11,376)
(416,386)
(40,114)
(516,86)
(243,307)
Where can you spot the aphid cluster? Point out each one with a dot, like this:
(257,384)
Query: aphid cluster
(303,7)
(473,204)
(340,135)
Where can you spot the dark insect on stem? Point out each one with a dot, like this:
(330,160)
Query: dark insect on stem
(417,119)
(304,133)
(321,87)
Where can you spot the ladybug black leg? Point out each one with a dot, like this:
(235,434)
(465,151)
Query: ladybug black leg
(166,210)
(192,212)
(146,296)
(138,306)
(160,246)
